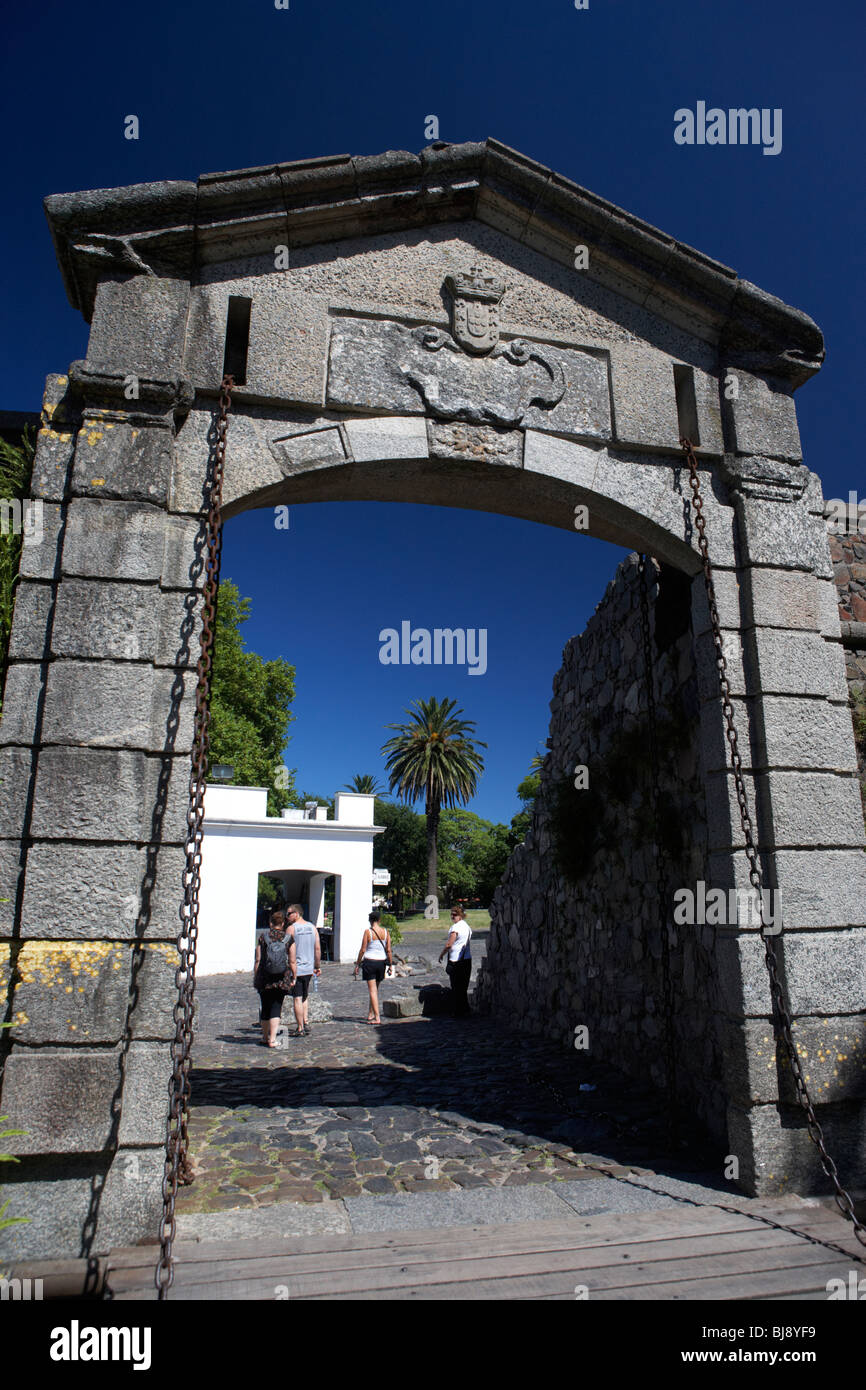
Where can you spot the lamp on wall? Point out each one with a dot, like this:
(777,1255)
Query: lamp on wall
(221,772)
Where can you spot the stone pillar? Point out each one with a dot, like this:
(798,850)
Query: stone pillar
(95,750)
(787,672)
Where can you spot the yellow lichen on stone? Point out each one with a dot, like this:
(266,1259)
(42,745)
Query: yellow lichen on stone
(51,962)
(94,437)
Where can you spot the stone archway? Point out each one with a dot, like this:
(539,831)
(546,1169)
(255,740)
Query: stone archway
(403,327)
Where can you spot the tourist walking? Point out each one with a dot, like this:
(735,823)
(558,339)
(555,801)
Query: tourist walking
(459,967)
(373,958)
(308,962)
(274,974)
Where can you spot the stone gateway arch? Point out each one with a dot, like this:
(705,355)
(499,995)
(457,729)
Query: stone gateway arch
(462,327)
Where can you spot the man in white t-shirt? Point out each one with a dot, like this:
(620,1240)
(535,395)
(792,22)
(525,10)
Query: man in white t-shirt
(459,965)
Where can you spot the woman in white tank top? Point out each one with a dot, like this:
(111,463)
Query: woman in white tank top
(373,957)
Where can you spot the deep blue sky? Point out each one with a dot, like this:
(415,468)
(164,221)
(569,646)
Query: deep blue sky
(591,94)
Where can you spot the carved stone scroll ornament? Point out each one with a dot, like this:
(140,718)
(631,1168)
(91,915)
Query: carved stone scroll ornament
(468,374)
(498,390)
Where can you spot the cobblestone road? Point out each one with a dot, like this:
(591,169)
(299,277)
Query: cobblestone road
(415,1105)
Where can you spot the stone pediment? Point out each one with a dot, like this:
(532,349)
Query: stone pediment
(174,229)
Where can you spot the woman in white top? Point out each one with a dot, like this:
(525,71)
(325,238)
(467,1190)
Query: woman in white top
(373,957)
(459,966)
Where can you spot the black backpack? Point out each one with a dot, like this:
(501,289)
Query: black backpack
(276,957)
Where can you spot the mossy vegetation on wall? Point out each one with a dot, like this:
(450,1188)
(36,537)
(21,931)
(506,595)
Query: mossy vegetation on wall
(586,822)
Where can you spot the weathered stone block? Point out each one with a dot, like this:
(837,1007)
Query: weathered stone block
(310,449)
(115,458)
(101,619)
(476,443)
(96,794)
(62,1100)
(114,540)
(824,971)
(778,662)
(40,561)
(10,874)
(24,683)
(832,1052)
(763,418)
(727,589)
(60,1205)
(783,599)
(783,535)
(102,892)
(138,325)
(145,1095)
(129,540)
(386,437)
(804,808)
(16,768)
(644,396)
(789,732)
(403,1006)
(77,992)
(561,458)
(777,1156)
(818,887)
(54,450)
(116,706)
(56,1206)
(29,639)
(178,642)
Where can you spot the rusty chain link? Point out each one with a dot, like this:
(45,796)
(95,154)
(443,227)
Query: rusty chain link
(783,1017)
(664,937)
(177,1170)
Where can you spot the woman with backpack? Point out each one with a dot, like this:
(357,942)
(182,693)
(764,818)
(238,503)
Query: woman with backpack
(374,955)
(274,974)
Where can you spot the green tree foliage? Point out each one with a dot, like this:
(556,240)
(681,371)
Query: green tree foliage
(16,466)
(250,706)
(527,792)
(388,922)
(270,892)
(402,849)
(365,783)
(472,855)
(472,852)
(434,756)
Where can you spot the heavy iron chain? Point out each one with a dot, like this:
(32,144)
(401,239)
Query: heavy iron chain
(782,1013)
(177,1169)
(664,936)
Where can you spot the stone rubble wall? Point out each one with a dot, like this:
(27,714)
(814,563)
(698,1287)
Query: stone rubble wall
(565,953)
(848,553)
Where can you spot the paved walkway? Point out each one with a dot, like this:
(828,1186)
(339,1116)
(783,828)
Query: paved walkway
(416,1106)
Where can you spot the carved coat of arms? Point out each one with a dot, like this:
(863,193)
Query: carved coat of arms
(475,310)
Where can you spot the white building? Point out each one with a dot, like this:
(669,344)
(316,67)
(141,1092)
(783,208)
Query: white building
(300,847)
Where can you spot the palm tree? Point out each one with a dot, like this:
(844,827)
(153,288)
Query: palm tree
(365,783)
(434,756)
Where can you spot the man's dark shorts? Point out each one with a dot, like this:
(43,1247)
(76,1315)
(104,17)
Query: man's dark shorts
(301,987)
